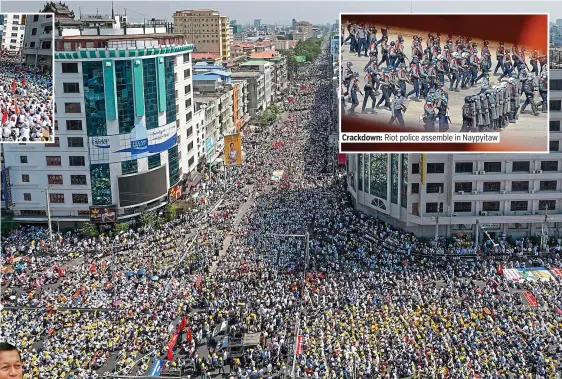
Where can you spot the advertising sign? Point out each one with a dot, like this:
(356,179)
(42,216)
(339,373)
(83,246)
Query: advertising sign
(209,145)
(233,150)
(7,188)
(422,169)
(174,193)
(103,215)
(139,139)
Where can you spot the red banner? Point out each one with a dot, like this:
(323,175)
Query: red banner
(183,324)
(300,340)
(531,299)
(557,272)
(341,159)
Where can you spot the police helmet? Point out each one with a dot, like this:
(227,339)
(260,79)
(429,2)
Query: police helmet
(415,59)
(349,64)
(397,92)
(400,38)
(385,38)
(440,57)
(530,76)
(356,74)
(467,99)
(392,43)
(486,43)
(501,43)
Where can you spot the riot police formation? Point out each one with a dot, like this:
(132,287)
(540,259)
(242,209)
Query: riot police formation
(432,64)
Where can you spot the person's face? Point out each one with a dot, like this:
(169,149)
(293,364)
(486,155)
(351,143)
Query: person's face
(10,365)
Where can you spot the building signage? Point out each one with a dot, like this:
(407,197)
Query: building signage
(103,215)
(174,193)
(139,139)
(7,188)
(100,142)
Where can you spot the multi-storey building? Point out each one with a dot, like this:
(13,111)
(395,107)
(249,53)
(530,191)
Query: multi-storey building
(268,70)
(306,28)
(279,69)
(256,90)
(38,40)
(206,29)
(503,193)
(124,132)
(11,38)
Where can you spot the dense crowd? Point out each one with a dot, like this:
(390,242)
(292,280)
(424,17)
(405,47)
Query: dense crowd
(368,300)
(26,102)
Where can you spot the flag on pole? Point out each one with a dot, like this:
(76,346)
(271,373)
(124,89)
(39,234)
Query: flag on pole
(4,117)
(300,340)
(183,323)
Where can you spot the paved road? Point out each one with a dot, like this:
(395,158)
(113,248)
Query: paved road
(528,134)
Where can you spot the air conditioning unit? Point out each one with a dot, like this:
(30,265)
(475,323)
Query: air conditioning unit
(474,172)
(475,192)
(533,171)
(539,171)
(482,172)
(460,193)
(455,215)
(483,213)
(531,191)
(502,192)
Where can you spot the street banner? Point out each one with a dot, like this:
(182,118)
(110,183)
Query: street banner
(300,340)
(174,193)
(512,274)
(341,159)
(170,346)
(156,367)
(277,175)
(233,150)
(531,299)
(557,272)
(543,274)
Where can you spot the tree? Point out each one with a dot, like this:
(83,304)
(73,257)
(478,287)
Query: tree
(89,230)
(148,219)
(120,228)
(8,224)
(170,213)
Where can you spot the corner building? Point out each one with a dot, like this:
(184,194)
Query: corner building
(124,134)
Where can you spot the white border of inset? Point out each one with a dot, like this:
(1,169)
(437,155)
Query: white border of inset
(448,152)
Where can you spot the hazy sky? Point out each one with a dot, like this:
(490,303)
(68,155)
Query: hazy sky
(282,12)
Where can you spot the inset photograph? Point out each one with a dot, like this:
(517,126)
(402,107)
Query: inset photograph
(26,77)
(437,83)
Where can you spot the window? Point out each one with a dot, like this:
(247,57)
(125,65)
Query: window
(491,206)
(463,186)
(25,178)
(435,168)
(129,167)
(73,124)
(416,209)
(35,18)
(190,146)
(188,117)
(555,126)
(191,161)
(75,142)
(186,58)
(26,197)
(54,179)
(190,131)
(547,205)
(415,188)
(23,158)
(56,125)
(187,89)
(154,161)
(415,168)
(463,206)
(29,212)
(548,185)
(555,84)
(56,198)
(72,108)
(520,166)
(492,166)
(71,87)
(78,179)
(186,73)
(519,205)
(53,161)
(76,161)
(492,186)
(34,31)
(79,198)
(46,45)
(56,143)
(464,167)
(549,165)
(554,146)
(432,208)
(434,187)
(70,68)
(188,103)
(520,186)
(555,105)
(32,44)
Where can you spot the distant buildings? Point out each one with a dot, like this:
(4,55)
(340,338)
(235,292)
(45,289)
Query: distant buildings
(257,23)
(11,38)
(38,41)
(206,29)
(304,28)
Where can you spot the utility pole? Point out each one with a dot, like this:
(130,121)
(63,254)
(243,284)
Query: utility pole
(437,217)
(544,234)
(46,190)
(477,230)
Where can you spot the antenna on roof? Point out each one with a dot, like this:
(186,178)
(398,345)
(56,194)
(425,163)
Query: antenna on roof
(112,11)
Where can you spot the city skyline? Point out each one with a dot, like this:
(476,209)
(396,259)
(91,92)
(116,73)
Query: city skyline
(282,12)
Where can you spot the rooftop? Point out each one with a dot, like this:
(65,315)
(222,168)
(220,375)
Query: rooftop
(245,74)
(256,62)
(204,56)
(264,55)
(203,77)
(126,37)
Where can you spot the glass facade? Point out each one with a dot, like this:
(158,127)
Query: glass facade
(379,171)
(173,165)
(150,93)
(101,184)
(94,99)
(366,172)
(394,172)
(360,170)
(404,179)
(170,90)
(129,167)
(154,161)
(125,101)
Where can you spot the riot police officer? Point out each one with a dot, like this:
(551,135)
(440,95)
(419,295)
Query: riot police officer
(369,89)
(415,78)
(454,70)
(485,66)
(467,115)
(354,88)
(500,53)
(529,91)
(384,51)
(429,115)
(386,88)
(507,66)
(398,107)
(543,92)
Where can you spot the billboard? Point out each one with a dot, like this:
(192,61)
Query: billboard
(143,187)
(7,188)
(174,193)
(137,144)
(233,150)
(102,215)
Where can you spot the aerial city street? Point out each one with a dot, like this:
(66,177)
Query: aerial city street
(195,219)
